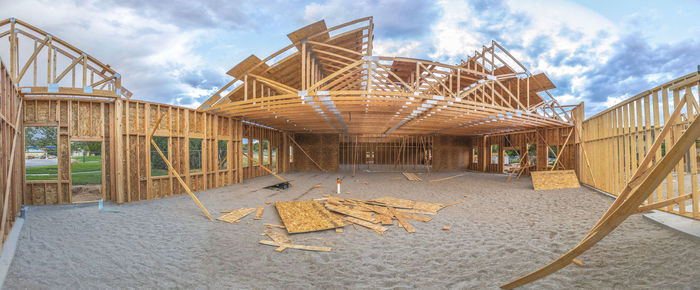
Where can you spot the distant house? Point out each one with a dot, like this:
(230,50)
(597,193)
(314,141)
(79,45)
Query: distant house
(35,154)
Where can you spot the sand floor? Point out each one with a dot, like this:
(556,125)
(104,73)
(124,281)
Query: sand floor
(502,231)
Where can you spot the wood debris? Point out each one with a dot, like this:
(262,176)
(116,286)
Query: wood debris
(271,226)
(279,237)
(362,181)
(448,178)
(236,215)
(293,246)
(306,216)
(259,213)
(446,228)
(411,176)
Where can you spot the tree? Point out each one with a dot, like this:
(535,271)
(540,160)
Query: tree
(41,137)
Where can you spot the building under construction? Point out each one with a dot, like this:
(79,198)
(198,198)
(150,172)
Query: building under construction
(326,104)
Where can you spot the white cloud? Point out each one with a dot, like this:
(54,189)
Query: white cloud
(406,48)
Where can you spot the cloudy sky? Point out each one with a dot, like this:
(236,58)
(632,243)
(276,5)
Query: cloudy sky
(178,51)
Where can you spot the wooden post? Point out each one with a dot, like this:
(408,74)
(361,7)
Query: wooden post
(6,197)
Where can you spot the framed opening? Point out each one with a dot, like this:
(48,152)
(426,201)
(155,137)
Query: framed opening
(552,155)
(532,153)
(86,171)
(40,155)
(266,152)
(256,152)
(369,157)
(291,154)
(494,154)
(223,154)
(245,150)
(158,166)
(195,155)
(273,158)
(475,155)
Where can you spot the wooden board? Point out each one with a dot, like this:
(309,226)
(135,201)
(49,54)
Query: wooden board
(278,237)
(402,222)
(427,206)
(377,228)
(293,246)
(544,180)
(396,202)
(353,213)
(259,213)
(236,215)
(306,216)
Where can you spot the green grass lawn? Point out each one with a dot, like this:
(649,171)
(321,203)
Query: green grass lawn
(86,178)
(159,172)
(42,177)
(88,158)
(78,178)
(49,169)
(87,166)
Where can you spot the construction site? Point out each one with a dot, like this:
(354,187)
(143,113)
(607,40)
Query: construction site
(324,165)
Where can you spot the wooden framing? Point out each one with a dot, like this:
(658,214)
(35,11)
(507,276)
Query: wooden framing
(636,191)
(88,76)
(330,82)
(619,138)
(11,151)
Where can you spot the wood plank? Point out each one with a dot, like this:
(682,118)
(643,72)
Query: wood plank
(294,246)
(377,228)
(400,217)
(259,212)
(236,215)
(352,212)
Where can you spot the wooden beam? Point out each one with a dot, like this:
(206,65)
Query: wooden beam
(173,171)
(11,168)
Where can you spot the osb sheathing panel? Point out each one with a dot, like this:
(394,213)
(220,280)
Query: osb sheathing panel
(558,179)
(450,152)
(322,148)
(306,216)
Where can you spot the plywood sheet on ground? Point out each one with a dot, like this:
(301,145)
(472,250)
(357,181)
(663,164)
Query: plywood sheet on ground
(544,180)
(306,216)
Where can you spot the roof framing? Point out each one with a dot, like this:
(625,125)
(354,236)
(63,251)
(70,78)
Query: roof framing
(328,81)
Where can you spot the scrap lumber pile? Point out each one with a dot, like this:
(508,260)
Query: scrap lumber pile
(334,212)
(377,213)
(411,176)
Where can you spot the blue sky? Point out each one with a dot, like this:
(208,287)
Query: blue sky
(178,51)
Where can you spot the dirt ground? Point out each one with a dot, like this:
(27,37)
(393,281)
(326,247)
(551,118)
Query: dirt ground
(86,193)
(502,231)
